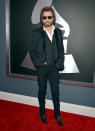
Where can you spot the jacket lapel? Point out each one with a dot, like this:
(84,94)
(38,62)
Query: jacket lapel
(57,39)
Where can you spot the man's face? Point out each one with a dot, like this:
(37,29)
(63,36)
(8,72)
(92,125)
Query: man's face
(47,18)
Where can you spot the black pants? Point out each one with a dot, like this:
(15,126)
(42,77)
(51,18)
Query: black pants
(50,72)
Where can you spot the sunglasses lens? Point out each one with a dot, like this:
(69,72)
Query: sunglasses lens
(49,17)
(45,17)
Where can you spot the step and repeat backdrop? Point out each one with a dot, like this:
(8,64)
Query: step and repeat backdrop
(76,19)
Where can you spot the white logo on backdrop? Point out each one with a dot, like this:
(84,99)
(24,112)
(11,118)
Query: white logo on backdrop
(69,63)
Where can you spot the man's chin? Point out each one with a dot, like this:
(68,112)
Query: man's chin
(47,25)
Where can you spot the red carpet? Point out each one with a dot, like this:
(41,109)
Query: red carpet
(21,117)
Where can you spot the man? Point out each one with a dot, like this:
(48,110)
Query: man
(47,54)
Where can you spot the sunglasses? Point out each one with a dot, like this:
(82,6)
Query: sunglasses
(45,17)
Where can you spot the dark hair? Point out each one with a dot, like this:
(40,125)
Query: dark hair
(48,9)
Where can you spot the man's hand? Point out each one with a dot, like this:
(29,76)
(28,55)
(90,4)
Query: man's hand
(45,63)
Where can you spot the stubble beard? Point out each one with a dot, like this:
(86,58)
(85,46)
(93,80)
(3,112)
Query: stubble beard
(47,24)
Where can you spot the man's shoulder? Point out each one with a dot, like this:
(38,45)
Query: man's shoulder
(37,30)
(57,29)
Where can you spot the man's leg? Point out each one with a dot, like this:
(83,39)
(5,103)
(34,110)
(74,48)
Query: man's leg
(42,85)
(54,84)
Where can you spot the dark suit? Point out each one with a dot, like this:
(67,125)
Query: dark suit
(37,52)
(51,71)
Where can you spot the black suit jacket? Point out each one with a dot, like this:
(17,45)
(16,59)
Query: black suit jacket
(37,48)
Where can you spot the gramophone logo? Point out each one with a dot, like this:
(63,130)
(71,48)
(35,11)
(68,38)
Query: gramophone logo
(70,64)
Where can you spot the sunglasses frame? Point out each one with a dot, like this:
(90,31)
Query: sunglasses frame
(45,17)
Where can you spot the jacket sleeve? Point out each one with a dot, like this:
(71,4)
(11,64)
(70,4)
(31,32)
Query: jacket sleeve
(36,59)
(60,60)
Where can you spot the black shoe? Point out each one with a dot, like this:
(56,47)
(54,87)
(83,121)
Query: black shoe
(43,119)
(59,120)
